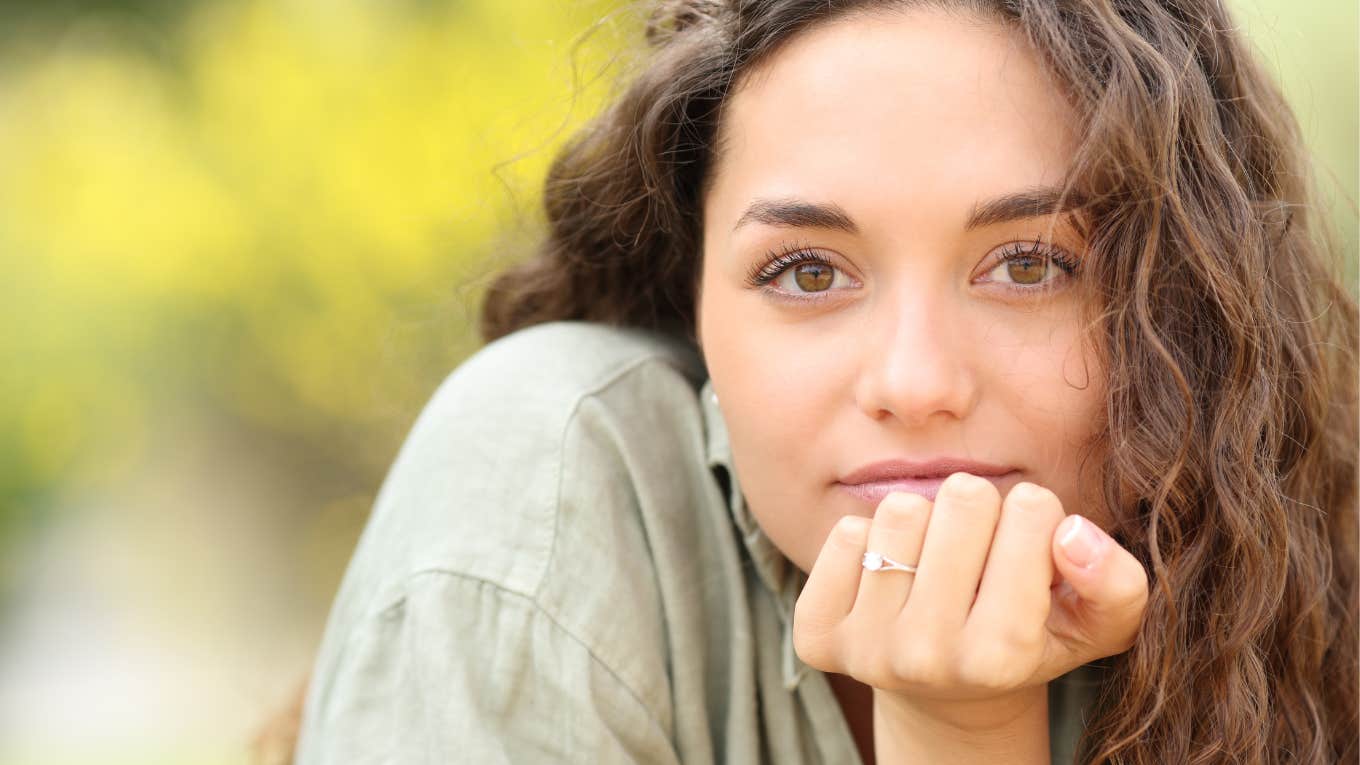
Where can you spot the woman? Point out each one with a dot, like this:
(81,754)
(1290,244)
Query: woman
(898,381)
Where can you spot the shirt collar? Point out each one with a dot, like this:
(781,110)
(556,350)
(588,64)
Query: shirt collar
(777,573)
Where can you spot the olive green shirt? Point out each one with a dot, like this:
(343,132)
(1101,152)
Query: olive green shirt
(560,567)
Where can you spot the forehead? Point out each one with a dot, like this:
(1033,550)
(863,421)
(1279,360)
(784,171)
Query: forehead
(914,107)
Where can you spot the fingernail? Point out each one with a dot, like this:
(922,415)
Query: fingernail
(1082,542)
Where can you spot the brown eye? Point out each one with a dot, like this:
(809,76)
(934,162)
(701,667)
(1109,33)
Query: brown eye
(801,275)
(1027,270)
(813,277)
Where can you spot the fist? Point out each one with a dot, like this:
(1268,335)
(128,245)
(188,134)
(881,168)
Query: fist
(1006,594)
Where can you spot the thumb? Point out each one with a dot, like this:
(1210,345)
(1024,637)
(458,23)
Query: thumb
(1106,586)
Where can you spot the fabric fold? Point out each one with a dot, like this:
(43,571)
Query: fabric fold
(776,572)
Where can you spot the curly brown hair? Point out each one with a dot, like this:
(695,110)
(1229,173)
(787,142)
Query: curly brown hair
(1230,434)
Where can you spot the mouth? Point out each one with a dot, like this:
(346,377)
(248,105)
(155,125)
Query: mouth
(873,482)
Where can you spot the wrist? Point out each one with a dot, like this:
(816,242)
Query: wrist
(1007,729)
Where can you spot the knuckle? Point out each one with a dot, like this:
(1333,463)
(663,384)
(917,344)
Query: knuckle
(1129,589)
(989,669)
(1003,656)
(1033,508)
(969,491)
(850,532)
(919,663)
(815,645)
(810,622)
(902,511)
(1032,497)
(863,663)
(1023,641)
(976,673)
(1141,600)
(1135,595)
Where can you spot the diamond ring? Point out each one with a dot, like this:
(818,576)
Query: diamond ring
(879,562)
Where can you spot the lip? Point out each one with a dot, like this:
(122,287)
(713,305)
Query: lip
(872,482)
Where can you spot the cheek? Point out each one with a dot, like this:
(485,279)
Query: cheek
(1055,394)
(1047,373)
(771,413)
(777,385)
(775,379)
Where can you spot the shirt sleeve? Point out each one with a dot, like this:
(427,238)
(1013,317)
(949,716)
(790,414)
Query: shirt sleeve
(460,670)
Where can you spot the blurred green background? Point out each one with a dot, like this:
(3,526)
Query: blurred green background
(242,242)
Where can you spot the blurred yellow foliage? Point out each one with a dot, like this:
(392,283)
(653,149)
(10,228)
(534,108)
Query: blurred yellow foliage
(240,215)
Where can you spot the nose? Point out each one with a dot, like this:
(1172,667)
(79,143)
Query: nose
(916,361)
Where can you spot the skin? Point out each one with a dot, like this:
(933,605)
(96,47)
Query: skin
(917,344)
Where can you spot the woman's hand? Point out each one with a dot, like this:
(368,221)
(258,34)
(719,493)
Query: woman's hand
(1007,596)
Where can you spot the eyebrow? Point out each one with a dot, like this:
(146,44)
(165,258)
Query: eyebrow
(797,213)
(1033,202)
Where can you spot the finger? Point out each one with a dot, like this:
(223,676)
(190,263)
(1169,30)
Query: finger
(829,593)
(1014,598)
(898,531)
(1110,586)
(957,539)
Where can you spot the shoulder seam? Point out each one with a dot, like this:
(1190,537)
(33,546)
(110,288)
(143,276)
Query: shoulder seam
(537,607)
(387,590)
(595,390)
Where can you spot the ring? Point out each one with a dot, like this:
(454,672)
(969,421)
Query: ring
(879,562)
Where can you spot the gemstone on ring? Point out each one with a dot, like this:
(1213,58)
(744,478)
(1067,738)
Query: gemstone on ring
(874,561)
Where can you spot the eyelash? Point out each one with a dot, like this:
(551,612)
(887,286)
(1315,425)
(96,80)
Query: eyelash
(1015,251)
(780,260)
(787,256)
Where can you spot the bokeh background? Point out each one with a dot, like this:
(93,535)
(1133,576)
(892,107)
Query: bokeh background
(242,241)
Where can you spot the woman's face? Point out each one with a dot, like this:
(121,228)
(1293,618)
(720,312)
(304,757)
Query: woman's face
(898,165)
